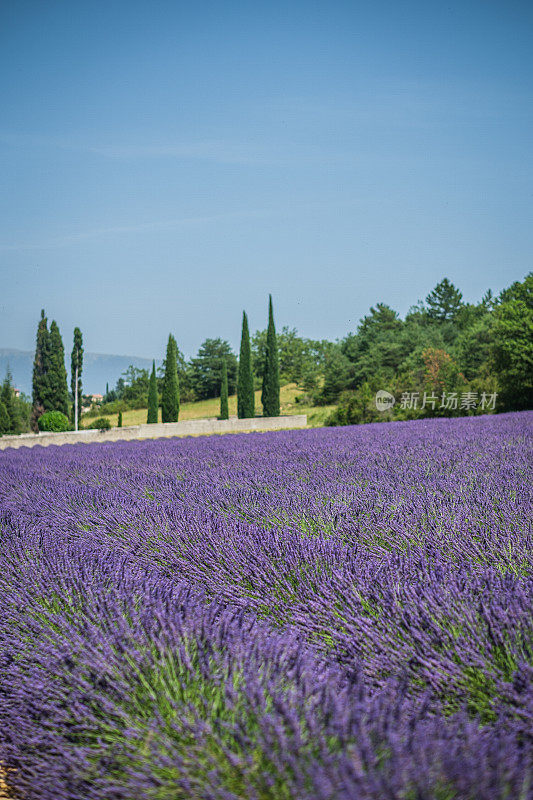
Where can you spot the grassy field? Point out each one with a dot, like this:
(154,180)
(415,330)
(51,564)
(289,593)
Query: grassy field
(203,409)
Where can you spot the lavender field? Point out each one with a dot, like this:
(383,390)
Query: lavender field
(331,614)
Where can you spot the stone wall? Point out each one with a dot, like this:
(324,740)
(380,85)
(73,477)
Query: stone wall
(189,427)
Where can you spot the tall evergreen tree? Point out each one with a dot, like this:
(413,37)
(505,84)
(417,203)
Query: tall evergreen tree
(270,393)
(444,301)
(245,381)
(7,397)
(76,361)
(153,400)
(224,412)
(58,373)
(170,395)
(41,369)
(119,424)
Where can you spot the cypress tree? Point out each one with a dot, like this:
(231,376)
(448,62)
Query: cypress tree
(153,401)
(7,397)
(76,361)
(245,381)
(41,368)
(224,413)
(57,373)
(170,395)
(120,419)
(270,392)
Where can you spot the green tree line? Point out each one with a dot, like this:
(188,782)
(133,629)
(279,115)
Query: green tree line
(443,346)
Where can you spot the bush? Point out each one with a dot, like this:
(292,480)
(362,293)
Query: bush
(5,422)
(356,408)
(113,407)
(53,421)
(102,423)
(305,399)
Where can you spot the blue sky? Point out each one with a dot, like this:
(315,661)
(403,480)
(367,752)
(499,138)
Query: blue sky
(165,164)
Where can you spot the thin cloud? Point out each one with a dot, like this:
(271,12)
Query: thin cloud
(220,151)
(140,227)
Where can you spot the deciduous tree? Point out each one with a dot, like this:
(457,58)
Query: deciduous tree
(206,368)
(4,419)
(512,350)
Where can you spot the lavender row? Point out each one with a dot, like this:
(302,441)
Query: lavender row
(119,684)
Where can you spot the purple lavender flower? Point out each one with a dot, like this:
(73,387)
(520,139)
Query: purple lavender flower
(315,615)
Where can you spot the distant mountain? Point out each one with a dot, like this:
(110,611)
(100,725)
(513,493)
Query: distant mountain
(98,369)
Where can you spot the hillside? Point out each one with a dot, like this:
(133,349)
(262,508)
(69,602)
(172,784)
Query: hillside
(210,408)
(98,368)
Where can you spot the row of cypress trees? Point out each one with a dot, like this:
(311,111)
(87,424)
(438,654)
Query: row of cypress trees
(170,396)
(245,382)
(50,388)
